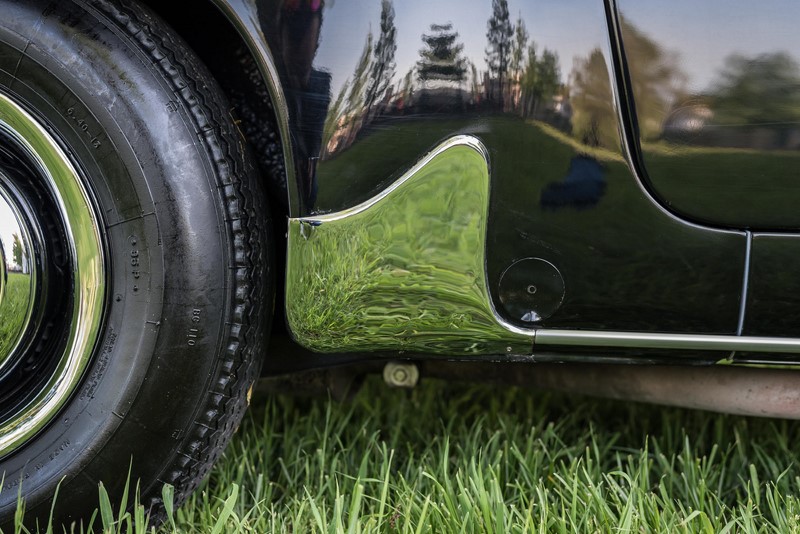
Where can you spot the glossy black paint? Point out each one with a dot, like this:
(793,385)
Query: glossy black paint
(773,302)
(563,189)
(716,90)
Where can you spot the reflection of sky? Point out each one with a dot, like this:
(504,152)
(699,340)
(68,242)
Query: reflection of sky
(692,28)
(570,27)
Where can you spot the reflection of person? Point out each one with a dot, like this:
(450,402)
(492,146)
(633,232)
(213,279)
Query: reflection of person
(308,91)
(582,187)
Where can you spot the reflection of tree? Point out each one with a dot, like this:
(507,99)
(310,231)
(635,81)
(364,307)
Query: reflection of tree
(407,87)
(383,66)
(498,51)
(593,121)
(345,115)
(655,78)
(332,121)
(360,77)
(475,85)
(758,90)
(441,59)
(16,250)
(518,47)
(540,80)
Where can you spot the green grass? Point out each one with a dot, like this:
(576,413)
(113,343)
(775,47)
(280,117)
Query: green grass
(458,458)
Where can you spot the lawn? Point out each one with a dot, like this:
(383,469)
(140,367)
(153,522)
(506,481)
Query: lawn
(462,458)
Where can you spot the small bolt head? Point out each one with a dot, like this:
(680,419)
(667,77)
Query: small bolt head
(401,374)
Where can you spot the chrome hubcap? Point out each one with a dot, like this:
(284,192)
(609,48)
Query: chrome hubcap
(18,276)
(52,287)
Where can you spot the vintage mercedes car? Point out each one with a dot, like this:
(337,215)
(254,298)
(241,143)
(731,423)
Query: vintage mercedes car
(593,195)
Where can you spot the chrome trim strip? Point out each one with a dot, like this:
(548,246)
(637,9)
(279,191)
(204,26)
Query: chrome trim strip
(745,283)
(639,340)
(404,270)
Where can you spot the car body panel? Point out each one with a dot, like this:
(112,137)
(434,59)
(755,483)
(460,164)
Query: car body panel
(773,300)
(567,187)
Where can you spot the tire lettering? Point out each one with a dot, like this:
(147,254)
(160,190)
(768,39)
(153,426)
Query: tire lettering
(194,332)
(134,260)
(83,126)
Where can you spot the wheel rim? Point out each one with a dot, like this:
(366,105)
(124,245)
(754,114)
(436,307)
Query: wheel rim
(53,277)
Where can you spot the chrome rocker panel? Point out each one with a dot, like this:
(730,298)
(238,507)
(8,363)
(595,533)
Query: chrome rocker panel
(404,270)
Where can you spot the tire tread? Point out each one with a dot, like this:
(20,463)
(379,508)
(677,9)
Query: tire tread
(248,228)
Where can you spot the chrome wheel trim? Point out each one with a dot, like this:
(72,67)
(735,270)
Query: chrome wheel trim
(86,251)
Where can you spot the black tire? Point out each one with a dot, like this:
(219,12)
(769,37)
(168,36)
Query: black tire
(189,284)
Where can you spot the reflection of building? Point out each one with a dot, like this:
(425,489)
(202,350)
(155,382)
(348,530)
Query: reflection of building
(9,256)
(562,107)
(695,125)
(687,119)
(440,99)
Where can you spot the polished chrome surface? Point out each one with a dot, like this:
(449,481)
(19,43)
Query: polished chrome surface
(404,270)
(85,247)
(18,276)
(716,91)
(575,338)
(746,286)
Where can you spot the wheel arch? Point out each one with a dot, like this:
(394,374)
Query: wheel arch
(224,34)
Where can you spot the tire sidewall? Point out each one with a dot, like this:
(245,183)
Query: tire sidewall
(167,252)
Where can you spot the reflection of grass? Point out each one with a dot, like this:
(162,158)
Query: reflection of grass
(626,264)
(391,150)
(727,185)
(623,255)
(599,153)
(14,309)
(406,273)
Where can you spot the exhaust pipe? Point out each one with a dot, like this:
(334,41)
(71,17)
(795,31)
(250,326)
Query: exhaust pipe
(736,390)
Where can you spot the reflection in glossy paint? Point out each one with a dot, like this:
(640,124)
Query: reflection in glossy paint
(299,24)
(582,187)
(561,187)
(719,122)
